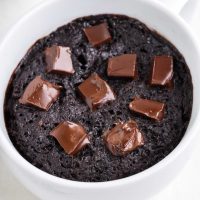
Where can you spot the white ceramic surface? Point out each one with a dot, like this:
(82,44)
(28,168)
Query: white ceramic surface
(136,184)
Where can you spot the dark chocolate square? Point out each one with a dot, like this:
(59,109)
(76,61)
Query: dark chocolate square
(58,60)
(122,66)
(40,93)
(72,137)
(96,91)
(162,70)
(98,34)
(149,108)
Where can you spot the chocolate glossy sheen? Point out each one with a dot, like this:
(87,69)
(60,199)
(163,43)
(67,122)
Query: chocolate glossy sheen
(162,71)
(122,66)
(96,91)
(98,34)
(149,108)
(72,137)
(58,60)
(40,93)
(123,138)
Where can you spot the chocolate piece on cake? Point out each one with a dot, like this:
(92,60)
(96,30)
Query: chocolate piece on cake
(72,137)
(162,71)
(96,91)
(149,108)
(123,138)
(40,93)
(122,66)
(98,34)
(58,60)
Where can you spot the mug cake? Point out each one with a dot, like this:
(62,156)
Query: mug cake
(99,99)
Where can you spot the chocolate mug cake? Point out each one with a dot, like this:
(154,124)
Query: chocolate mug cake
(101,98)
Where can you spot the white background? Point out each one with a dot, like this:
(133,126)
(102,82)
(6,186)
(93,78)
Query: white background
(184,187)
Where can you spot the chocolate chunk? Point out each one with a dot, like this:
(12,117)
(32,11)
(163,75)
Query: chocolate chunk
(162,71)
(122,66)
(96,91)
(72,137)
(98,34)
(58,60)
(123,138)
(149,108)
(40,93)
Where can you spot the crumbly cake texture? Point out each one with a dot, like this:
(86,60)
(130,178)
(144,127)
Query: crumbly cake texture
(29,127)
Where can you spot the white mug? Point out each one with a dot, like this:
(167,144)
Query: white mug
(54,13)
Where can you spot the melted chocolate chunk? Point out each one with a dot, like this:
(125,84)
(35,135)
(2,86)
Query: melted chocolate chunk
(40,93)
(123,138)
(72,137)
(98,34)
(122,66)
(96,91)
(59,60)
(162,71)
(149,108)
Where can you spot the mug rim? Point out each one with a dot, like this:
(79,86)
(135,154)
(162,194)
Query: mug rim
(14,155)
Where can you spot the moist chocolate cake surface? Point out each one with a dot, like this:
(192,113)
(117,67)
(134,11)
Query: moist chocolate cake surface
(29,127)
